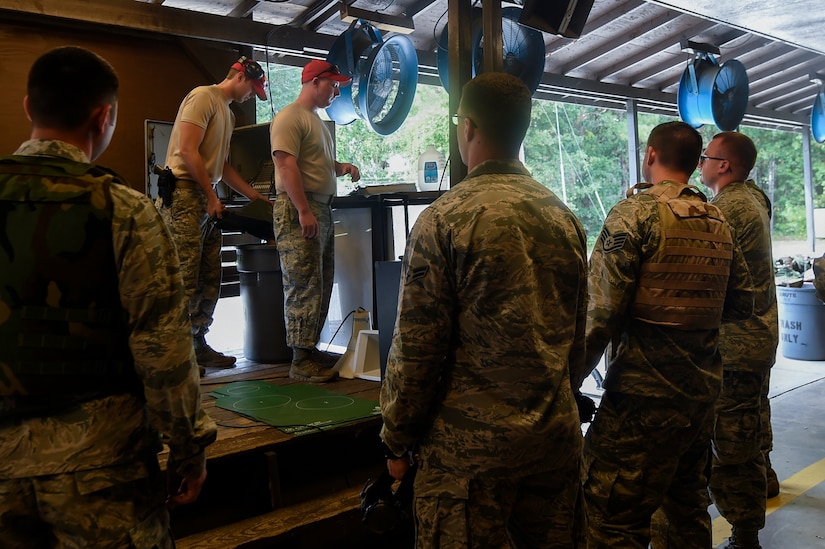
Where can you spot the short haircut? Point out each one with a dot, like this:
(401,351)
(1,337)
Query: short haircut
(500,105)
(739,151)
(66,84)
(677,145)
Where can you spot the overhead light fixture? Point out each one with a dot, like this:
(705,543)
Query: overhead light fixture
(382,21)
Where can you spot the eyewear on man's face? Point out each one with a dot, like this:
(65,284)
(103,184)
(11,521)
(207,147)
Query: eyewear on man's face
(703,157)
(333,71)
(457,117)
(334,83)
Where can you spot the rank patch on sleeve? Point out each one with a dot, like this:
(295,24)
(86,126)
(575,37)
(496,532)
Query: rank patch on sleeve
(418,273)
(612,242)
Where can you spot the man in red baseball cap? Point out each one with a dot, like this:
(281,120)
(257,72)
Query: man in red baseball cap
(305,179)
(323,69)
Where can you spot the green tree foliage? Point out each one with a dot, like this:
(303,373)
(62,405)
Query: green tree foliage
(284,85)
(591,172)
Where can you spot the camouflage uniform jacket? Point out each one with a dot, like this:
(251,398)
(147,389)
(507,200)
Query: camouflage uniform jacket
(751,344)
(819,277)
(118,429)
(650,359)
(491,315)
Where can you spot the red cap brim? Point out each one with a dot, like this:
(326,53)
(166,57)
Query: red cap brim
(338,77)
(258,86)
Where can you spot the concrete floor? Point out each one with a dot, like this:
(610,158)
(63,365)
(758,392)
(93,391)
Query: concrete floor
(796,518)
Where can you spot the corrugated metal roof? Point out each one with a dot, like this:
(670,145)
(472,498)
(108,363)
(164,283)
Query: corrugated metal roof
(628,48)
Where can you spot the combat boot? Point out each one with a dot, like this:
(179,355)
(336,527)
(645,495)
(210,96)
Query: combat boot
(209,357)
(743,538)
(305,368)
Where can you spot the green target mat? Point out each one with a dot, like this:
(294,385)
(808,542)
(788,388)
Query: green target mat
(295,409)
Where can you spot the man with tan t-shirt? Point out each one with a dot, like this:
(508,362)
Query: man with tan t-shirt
(303,151)
(198,157)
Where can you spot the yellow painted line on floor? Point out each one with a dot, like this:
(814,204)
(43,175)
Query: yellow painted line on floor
(789,489)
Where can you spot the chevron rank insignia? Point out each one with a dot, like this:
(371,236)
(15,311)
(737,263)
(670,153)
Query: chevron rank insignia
(418,273)
(612,242)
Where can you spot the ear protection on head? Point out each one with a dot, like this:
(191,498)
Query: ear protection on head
(250,68)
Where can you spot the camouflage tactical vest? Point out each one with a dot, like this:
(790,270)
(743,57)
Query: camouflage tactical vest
(683,285)
(63,335)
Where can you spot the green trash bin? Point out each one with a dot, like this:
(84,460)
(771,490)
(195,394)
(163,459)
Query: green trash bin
(801,323)
(262,296)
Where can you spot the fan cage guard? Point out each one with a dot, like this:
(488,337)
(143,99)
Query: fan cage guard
(387,86)
(818,117)
(710,93)
(346,54)
(384,78)
(523,49)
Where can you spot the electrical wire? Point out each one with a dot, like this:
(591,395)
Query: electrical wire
(349,314)
(438,21)
(268,37)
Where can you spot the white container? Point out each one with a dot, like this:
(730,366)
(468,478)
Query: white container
(431,166)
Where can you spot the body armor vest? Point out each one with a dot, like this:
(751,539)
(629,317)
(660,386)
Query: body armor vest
(683,284)
(63,333)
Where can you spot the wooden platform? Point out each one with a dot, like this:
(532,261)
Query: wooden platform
(267,488)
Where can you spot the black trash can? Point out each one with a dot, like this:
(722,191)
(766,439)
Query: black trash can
(262,296)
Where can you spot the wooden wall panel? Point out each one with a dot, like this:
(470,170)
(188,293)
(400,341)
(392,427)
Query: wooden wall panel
(155,73)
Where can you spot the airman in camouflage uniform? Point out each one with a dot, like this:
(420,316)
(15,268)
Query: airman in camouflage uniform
(303,151)
(96,366)
(664,273)
(819,277)
(198,157)
(490,321)
(738,474)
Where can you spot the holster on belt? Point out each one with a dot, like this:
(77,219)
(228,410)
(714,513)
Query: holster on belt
(166,184)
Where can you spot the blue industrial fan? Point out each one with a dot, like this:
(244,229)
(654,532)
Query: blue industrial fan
(384,77)
(710,93)
(523,49)
(818,117)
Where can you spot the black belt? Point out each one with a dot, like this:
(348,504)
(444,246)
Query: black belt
(321,198)
(187,184)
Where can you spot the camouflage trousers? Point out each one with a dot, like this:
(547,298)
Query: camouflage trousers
(765,413)
(199,250)
(543,510)
(73,510)
(737,479)
(642,454)
(307,270)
